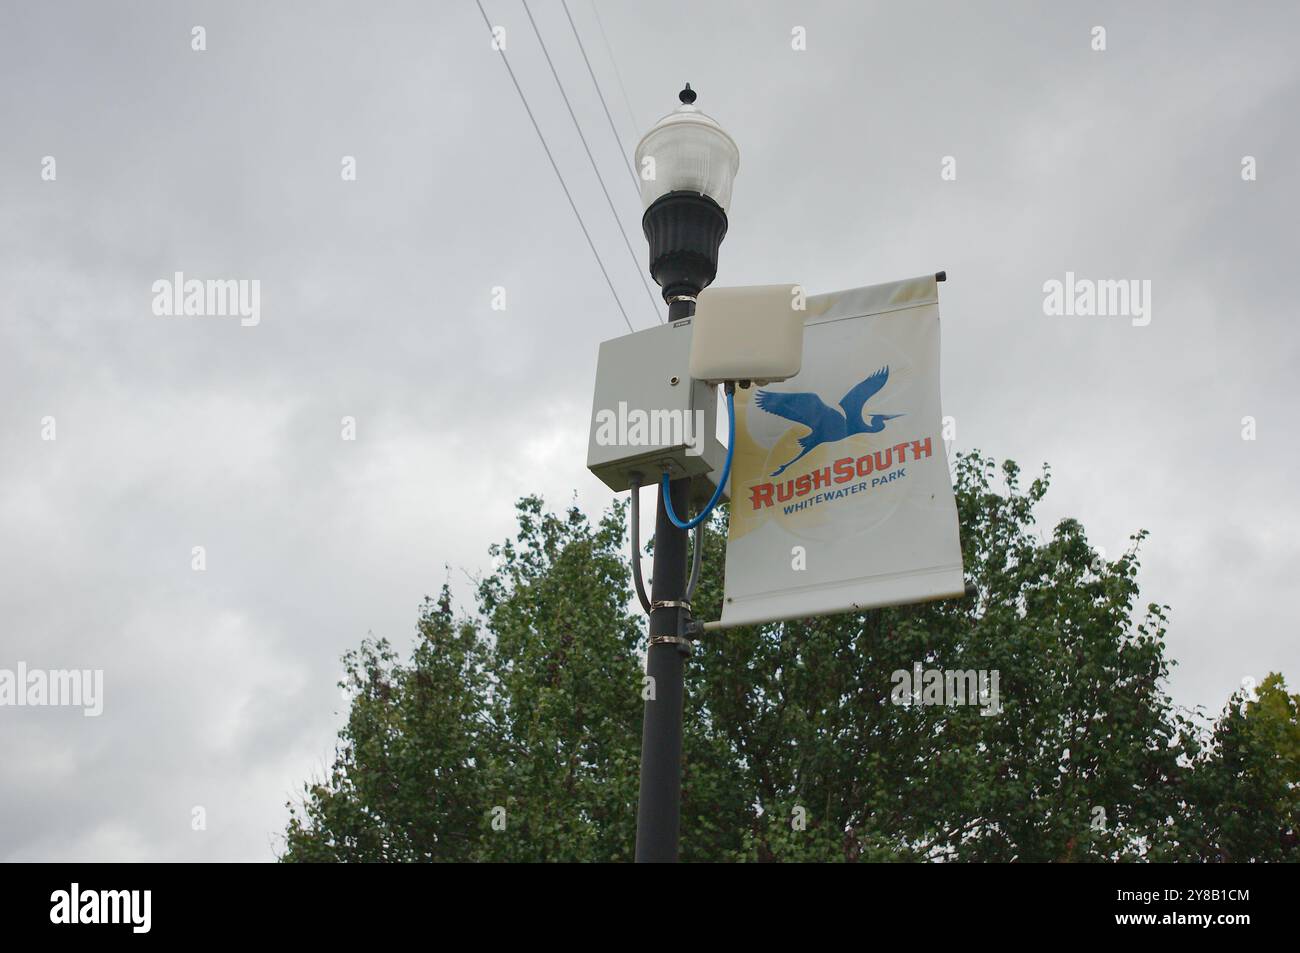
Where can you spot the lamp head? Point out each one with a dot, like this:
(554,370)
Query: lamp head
(687,151)
(687,165)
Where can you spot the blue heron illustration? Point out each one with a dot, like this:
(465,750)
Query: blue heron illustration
(826,424)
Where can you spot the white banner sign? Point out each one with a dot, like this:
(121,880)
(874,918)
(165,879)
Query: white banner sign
(841,498)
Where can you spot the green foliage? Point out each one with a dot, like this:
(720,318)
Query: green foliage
(407,781)
(1241,800)
(527,717)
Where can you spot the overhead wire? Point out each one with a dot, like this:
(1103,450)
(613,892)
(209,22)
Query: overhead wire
(636,264)
(617,74)
(636,183)
(538,129)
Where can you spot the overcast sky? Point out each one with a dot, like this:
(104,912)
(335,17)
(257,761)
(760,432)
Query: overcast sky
(175,432)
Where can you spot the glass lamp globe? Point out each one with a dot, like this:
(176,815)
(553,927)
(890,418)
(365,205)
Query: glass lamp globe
(688,152)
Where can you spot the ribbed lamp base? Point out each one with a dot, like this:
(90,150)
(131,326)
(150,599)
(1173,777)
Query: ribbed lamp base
(685,230)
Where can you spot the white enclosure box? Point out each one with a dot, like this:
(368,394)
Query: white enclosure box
(752,333)
(647,414)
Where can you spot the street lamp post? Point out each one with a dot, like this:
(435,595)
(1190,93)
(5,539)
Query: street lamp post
(687,164)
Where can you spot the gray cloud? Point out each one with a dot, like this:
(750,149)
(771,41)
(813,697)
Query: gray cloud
(177,432)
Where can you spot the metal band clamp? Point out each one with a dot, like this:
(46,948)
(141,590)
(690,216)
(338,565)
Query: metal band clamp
(670,604)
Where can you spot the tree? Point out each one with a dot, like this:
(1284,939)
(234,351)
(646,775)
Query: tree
(407,781)
(515,734)
(1241,800)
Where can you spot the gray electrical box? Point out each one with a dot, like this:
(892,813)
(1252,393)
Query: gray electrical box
(648,416)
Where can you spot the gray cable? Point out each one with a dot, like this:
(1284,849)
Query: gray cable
(696,561)
(636,545)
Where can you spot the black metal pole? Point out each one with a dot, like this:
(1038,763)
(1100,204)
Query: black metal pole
(658,817)
(684,229)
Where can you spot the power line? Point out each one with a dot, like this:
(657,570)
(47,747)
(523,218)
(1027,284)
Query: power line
(603,105)
(523,99)
(594,168)
(614,63)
